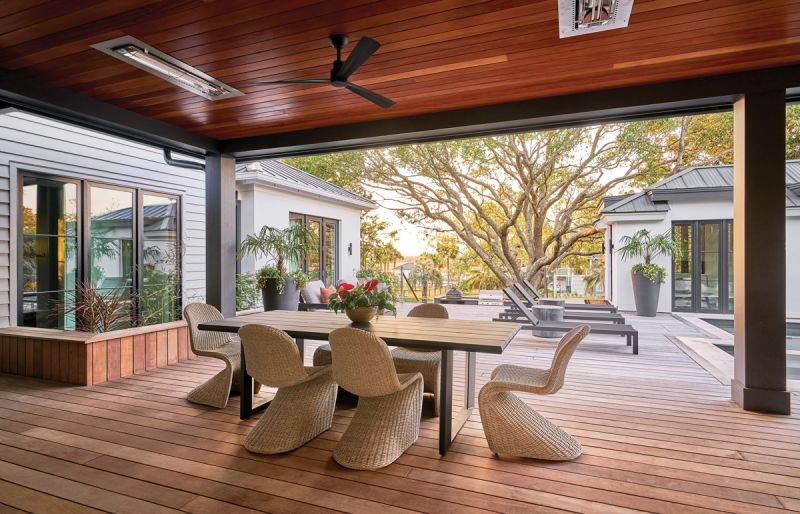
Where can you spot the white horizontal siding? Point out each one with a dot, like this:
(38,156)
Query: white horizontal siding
(41,145)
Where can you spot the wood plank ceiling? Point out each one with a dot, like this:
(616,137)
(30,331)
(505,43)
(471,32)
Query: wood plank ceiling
(436,55)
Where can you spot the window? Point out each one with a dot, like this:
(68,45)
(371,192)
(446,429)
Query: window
(120,241)
(322,263)
(702,276)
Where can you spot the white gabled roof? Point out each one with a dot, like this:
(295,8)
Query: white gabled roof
(282,176)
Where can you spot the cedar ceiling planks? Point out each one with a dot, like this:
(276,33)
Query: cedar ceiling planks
(436,55)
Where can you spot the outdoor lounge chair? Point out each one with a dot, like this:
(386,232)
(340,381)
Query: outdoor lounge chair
(306,398)
(387,418)
(514,313)
(512,427)
(574,306)
(631,334)
(411,360)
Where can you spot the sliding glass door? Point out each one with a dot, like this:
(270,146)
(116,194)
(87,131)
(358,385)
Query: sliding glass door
(702,278)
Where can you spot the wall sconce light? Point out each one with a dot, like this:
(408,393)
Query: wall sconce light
(350,249)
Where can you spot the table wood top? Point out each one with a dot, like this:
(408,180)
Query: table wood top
(440,334)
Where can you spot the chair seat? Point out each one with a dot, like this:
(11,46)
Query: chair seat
(529,378)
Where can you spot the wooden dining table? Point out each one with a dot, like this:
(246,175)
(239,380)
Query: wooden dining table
(443,335)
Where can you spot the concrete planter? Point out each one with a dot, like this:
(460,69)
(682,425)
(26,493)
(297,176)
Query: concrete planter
(645,294)
(285,301)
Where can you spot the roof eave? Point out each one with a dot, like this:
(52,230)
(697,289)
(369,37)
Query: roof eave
(256,178)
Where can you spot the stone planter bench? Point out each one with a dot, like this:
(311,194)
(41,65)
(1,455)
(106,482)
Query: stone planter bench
(86,358)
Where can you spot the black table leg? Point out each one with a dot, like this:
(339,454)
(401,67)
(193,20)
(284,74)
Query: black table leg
(446,401)
(246,408)
(301,347)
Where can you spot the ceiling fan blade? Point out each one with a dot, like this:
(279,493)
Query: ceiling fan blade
(363,50)
(279,82)
(372,96)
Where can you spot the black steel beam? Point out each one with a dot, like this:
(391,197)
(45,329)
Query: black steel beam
(32,95)
(759,241)
(221,233)
(692,96)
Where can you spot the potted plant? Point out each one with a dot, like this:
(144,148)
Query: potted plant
(646,276)
(362,302)
(280,289)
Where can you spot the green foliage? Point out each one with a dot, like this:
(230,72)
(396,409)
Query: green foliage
(425,274)
(300,278)
(248,294)
(645,245)
(370,294)
(377,244)
(654,272)
(269,273)
(97,310)
(283,246)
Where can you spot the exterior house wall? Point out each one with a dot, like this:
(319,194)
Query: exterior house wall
(35,144)
(618,277)
(269,206)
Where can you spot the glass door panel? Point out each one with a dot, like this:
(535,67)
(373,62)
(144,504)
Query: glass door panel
(682,271)
(111,250)
(313,258)
(329,252)
(49,264)
(160,271)
(729,226)
(709,266)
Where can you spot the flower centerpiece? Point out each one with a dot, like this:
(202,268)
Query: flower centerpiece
(361,302)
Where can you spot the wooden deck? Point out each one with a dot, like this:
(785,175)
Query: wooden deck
(659,434)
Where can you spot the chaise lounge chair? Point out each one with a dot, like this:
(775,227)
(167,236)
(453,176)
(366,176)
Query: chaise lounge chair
(514,313)
(574,306)
(631,334)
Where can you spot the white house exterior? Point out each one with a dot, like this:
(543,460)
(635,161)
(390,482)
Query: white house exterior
(82,206)
(696,206)
(275,194)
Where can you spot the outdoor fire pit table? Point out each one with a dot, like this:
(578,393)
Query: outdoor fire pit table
(552,301)
(548,313)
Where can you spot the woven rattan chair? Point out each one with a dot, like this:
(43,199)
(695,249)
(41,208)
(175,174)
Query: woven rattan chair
(306,398)
(218,345)
(409,360)
(387,419)
(511,426)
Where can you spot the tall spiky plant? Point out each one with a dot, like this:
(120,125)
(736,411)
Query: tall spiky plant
(286,245)
(644,245)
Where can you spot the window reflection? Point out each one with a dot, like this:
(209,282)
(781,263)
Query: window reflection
(161,293)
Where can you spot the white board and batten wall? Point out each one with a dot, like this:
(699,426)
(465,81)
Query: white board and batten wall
(44,146)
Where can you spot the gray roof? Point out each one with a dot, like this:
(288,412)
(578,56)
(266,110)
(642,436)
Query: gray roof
(148,211)
(695,179)
(280,174)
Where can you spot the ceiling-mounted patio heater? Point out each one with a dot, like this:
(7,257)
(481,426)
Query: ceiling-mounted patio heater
(576,17)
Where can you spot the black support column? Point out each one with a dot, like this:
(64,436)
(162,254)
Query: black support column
(759,244)
(221,233)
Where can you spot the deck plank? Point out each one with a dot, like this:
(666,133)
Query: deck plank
(659,433)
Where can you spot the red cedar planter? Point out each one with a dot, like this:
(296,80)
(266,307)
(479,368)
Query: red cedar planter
(85,358)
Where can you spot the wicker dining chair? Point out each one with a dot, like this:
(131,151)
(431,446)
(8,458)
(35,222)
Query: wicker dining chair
(219,345)
(387,418)
(410,360)
(511,426)
(306,398)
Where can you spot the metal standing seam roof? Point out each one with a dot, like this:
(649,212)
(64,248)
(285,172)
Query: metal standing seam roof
(164,210)
(290,176)
(701,178)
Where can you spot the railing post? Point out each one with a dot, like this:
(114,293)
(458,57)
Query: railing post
(759,242)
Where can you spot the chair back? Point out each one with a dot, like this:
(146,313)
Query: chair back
(566,347)
(204,340)
(429,310)
(535,292)
(362,363)
(272,356)
(521,306)
(525,295)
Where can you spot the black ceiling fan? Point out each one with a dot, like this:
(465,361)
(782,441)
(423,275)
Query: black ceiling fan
(341,71)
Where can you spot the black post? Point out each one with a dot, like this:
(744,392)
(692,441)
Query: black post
(759,242)
(221,233)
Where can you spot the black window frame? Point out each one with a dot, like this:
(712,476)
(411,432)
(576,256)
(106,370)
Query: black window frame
(321,245)
(723,262)
(83,203)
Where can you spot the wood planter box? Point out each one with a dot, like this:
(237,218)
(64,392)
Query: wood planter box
(86,358)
